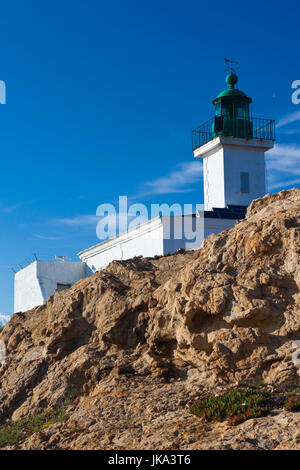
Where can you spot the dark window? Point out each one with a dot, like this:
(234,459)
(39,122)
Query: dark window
(219,123)
(245,184)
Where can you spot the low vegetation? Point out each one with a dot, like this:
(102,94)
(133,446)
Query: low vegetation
(236,406)
(239,405)
(17,432)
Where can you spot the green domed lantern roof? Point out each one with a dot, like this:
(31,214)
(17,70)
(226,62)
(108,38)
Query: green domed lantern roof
(232,92)
(232,111)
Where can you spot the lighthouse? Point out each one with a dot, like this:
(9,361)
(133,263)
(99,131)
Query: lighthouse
(232,146)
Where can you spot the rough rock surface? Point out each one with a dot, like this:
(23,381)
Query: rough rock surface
(143,338)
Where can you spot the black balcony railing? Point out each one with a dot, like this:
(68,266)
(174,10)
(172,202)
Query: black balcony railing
(219,126)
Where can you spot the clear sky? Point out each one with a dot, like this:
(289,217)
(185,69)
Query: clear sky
(101,100)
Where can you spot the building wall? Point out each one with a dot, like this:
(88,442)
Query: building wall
(243,159)
(193,232)
(28,291)
(222,179)
(213,176)
(38,281)
(182,232)
(157,237)
(145,240)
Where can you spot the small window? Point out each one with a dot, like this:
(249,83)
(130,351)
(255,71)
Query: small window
(219,123)
(61,287)
(245,184)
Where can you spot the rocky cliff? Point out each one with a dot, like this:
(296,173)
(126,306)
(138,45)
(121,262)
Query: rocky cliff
(139,341)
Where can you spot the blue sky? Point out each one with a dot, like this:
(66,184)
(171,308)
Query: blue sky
(101,100)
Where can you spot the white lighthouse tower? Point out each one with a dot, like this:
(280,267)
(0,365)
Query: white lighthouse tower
(232,146)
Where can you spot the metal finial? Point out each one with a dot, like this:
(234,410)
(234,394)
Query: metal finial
(231,66)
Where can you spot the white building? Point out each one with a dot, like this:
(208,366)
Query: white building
(157,237)
(41,279)
(232,146)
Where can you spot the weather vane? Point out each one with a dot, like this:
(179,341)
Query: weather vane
(231,66)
